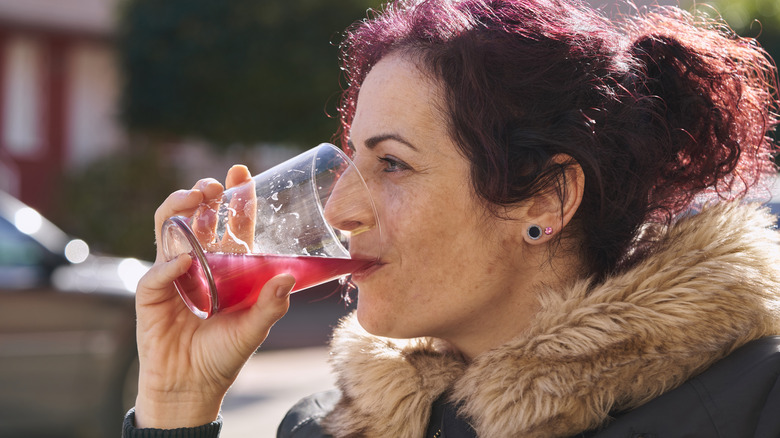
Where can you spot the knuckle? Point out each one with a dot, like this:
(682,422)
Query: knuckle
(166,209)
(277,312)
(159,214)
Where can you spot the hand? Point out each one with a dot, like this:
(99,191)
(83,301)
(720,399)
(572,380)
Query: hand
(239,234)
(187,364)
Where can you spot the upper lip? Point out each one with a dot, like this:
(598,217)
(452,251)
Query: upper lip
(374,261)
(357,255)
(374,264)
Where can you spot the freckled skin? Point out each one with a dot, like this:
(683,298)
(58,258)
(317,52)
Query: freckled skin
(450,270)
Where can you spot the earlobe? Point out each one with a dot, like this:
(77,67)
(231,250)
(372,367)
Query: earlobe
(534,232)
(552,210)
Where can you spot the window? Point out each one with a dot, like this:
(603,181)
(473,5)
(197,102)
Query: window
(93,129)
(23,92)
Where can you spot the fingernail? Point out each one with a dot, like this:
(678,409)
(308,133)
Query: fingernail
(283,291)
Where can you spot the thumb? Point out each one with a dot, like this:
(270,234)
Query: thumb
(272,304)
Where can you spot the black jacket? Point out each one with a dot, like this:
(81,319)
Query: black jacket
(738,397)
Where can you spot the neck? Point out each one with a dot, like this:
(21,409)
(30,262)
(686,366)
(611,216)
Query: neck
(514,312)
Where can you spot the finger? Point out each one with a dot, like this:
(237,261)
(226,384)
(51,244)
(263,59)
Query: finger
(157,284)
(211,188)
(178,203)
(272,304)
(204,223)
(237,174)
(242,211)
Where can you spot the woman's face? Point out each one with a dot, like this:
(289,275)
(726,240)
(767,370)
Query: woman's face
(448,269)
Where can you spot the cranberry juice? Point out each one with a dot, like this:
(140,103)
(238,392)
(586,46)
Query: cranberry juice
(239,278)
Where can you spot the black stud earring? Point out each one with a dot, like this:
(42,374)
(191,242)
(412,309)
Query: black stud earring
(534,232)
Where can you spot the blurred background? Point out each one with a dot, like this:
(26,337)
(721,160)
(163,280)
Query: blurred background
(106,106)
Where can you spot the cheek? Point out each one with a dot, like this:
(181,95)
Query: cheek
(415,242)
(433,244)
(417,225)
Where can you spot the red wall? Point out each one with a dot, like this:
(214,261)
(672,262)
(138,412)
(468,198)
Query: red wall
(40,173)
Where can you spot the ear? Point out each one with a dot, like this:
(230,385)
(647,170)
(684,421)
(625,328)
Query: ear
(552,209)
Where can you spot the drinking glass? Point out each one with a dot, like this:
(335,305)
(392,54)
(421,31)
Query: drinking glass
(300,217)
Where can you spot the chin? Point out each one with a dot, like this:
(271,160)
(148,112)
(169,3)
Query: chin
(379,323)
(368,322)
(376,323)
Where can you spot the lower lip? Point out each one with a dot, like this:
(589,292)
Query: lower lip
(366,272)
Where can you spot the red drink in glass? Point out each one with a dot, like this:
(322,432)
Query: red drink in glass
(239,277)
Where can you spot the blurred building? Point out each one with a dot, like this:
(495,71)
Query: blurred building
(59,91)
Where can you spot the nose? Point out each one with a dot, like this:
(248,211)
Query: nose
(350,208)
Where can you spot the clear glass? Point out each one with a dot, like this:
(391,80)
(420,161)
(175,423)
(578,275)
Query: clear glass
(300,217)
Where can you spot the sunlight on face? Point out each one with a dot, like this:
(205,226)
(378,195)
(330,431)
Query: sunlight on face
(445,268)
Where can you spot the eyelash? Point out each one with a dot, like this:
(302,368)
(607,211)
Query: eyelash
(393,164)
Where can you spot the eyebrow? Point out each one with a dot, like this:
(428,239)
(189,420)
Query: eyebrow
(372,142)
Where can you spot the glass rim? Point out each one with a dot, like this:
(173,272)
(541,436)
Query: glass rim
(183,226)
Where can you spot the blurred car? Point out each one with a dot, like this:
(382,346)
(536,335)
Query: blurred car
(68,362)
(774,200)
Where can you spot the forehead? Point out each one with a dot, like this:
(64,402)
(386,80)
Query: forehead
(397,95)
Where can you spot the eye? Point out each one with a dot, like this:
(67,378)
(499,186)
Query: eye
(392,164)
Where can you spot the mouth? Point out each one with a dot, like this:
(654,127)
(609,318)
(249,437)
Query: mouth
(366,271)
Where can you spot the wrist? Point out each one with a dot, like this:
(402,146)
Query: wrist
(175,410)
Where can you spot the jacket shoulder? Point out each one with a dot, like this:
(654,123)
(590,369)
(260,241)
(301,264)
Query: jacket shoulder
(738,396)
(304,419)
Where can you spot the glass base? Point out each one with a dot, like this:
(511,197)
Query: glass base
(196,286)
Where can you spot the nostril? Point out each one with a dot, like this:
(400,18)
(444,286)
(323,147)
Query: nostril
(350,226)
(353,228)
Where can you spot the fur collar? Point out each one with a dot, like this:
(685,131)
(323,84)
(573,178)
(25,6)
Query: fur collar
(712,286)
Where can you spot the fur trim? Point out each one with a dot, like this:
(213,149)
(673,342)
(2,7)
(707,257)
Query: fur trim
(711,286)
(395,379)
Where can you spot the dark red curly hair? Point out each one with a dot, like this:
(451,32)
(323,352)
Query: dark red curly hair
(656,109)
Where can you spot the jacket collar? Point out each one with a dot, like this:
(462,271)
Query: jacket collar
(711,285)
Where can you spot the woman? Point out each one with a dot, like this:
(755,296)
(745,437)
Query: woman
(554,259)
